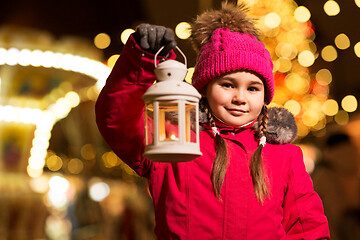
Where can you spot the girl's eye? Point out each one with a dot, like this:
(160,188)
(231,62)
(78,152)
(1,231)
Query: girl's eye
(227,85)
(253,89)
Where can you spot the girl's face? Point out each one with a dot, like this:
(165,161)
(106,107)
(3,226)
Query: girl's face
(236,98)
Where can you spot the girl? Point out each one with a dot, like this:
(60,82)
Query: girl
(250,183)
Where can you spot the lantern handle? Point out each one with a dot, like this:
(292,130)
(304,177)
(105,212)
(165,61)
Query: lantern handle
(156,54)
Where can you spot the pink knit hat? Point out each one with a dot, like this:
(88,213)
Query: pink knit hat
(228,51)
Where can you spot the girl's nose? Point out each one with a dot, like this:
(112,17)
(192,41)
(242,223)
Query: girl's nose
(238,98)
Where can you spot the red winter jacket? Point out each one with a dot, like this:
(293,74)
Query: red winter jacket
(184,200)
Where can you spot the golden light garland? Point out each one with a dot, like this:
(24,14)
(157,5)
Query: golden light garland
(44,120)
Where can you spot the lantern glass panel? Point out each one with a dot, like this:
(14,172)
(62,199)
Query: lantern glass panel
(168,121)
(149,124)
(190,123)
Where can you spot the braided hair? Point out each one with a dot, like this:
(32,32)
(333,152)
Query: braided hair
(258,174)
(220,162)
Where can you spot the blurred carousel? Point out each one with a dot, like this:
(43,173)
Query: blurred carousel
(55,170)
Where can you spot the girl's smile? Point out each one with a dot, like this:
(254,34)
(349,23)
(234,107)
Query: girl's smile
(236,98)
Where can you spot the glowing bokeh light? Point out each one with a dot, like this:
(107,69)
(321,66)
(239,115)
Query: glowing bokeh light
(182,30)
(296,83)
(73,98)
(357,49)
(59,184)
(302,14)
(112,60)
(349,103)
(342,41)
(39,184)
(99,191)
(342,117)
(357,2)
(330,107)
(110,159)
(323,77)
(88,152)
(34,173)
(126,34)
(75,166)
(272,20)
(283,65)
(306,58)
(329,53)
(189,74)
(102,40)
(293,106)
(331,8)
(286,50)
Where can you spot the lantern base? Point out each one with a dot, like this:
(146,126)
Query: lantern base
(172,153)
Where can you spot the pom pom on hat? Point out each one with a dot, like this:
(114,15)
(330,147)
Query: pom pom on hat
(227,41)
(230,16)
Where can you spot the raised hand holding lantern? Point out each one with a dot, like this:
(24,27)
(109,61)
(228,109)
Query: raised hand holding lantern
(171,115)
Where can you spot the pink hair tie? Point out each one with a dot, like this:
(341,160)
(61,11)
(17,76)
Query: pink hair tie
(215,131)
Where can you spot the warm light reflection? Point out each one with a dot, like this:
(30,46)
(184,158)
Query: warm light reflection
(72,98)
(112,60)
(57,194)
(296,83)
(110,160)
(349,103)
(102,40)
(309,157)
(357,2)
(75,166)
(342,41)
(342,117)
(189,74)
(331,8)
(293,106)
(99,191)
(306,58)
(54,163)
(286,50)
(283,65)
(330,107)
(182,30)
(39,184)
(323,77)
(88,152)
(329,53)
(34,173)
(302,14)
(272,20)
(357,49)
(126,34)
(310,118)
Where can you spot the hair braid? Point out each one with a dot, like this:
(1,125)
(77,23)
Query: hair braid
(263,120)
(220,162)
(258,174)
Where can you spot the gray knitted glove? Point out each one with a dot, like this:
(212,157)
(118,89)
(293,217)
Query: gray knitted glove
(152,37)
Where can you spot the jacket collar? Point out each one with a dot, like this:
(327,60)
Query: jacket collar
(224,128)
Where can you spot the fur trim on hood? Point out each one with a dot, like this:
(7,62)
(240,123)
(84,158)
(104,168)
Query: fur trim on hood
(281,127)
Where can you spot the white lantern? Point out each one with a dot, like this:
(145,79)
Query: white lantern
(171,115)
